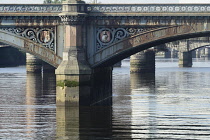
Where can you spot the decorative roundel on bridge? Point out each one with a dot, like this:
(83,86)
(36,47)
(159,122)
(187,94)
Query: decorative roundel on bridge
(190,8)
(196,8)
(183,8)
(177,8)
(164,8)
(105,36)
(203,8)
(45,36)
(158,8)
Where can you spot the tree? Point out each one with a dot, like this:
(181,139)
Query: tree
(47,1)
(52,1)
(94,2)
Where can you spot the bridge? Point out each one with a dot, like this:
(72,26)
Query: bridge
(83,41)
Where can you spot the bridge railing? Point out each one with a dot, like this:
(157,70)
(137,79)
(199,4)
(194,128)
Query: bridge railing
(148,8)
(30,8)
(109,8)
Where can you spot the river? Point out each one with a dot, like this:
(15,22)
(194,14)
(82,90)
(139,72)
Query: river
(172,104)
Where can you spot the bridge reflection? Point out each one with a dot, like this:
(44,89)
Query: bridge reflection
(71,122)
(143,106)
(82,123)
(135,113)
(39,103)
(107,121)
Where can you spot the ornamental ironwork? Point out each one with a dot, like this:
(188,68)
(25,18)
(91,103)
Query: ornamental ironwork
(107,36)
(43,36)
(111,8)
(31,8)
(149,8)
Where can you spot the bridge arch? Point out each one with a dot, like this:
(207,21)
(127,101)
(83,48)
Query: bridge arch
(31,47)
(131,45)
(203,46)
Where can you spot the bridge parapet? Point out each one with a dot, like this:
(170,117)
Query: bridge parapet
(148,8)
(30,15)
(30,8)
(109,8)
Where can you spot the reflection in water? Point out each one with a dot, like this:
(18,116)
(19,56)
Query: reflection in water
(67,120)
(26,110)
(39,90)
(84,123)
(143,105)
(39,86)
(101,88)
(144,80)
(173,104)
(33,89)
(88,123)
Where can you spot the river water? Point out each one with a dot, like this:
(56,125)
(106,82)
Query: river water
(172,104)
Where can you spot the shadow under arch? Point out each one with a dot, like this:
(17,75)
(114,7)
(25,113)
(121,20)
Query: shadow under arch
(31,47)
(129,46)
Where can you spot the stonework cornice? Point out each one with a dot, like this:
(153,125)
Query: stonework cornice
(73,12)
(29,21)
(73,19)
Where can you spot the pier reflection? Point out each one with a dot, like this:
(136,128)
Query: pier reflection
(142,80)
(83,123)
(143,106)
(40,100)
(33,89)
(39,87)
(93,118)
(122,106)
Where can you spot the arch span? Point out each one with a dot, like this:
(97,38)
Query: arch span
(199,47)
(129,46)
(31,47)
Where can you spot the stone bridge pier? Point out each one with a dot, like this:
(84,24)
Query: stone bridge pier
(36,65)
(185,59)
(33,64)
(73,74)
(191,48)
(143,62)
(206,52)
(77,83)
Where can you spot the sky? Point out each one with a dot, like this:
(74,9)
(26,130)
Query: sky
(109,1)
